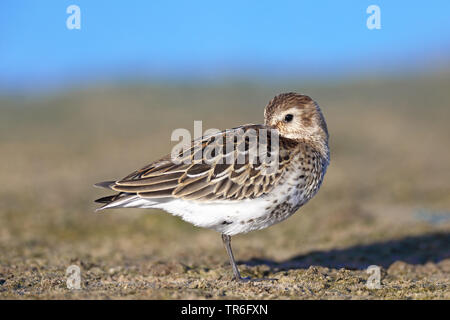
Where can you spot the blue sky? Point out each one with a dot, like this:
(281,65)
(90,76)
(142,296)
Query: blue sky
(212,39)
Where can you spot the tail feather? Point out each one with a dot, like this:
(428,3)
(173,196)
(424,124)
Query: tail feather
(124,199)
(116,200)
(105,184)
(107,199)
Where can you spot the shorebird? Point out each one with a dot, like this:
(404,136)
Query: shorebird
(224,182)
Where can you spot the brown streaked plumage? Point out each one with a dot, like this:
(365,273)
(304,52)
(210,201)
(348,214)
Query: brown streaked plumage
(228,189)
(200,181)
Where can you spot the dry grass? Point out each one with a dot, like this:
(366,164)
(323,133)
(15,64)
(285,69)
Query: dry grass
(385,199)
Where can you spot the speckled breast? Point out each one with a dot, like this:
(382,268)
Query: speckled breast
(300,184)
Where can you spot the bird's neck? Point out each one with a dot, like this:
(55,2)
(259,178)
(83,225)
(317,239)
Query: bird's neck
(318,144)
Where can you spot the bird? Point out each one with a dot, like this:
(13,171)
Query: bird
(225,182)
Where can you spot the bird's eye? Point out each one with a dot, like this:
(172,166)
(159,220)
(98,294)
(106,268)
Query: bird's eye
(288,118)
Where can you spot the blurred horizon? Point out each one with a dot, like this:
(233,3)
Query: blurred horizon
(204,42)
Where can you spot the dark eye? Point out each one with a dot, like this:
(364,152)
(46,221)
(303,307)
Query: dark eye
(288,118)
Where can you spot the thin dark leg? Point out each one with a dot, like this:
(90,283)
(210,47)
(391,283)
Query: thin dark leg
(237,276)
(227,243)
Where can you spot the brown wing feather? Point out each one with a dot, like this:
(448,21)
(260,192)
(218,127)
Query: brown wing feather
(211,180)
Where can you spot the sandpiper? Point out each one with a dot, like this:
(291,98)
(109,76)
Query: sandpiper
(235,189)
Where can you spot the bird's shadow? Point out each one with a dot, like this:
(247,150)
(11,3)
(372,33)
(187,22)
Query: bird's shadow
(420,249)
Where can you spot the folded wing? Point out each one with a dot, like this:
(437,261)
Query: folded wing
(240,163)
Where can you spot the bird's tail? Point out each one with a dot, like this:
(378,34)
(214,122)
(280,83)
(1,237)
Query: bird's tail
(124,199)
(111,201)
(105,184)
(118,200)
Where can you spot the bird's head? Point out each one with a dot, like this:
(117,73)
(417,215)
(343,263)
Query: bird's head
(297,117)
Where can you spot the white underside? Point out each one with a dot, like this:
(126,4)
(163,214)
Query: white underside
(229,217)
(224,217)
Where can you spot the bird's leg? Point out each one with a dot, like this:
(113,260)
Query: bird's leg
(227,243)
(237,276)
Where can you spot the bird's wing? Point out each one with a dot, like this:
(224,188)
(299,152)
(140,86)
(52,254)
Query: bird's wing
(217,167)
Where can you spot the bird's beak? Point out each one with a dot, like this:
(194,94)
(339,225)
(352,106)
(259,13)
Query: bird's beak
(279,125)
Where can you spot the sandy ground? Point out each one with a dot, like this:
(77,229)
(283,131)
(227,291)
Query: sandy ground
(385,200)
